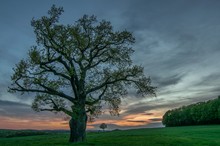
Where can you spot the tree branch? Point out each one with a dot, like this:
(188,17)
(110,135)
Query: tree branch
(107,82)
(99,97)
(47,91)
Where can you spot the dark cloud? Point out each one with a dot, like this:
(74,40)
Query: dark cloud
(15,109)
(23,111)
(216,91)
(210,80)
(13,104)
(142,108)
(166,104)
(148,114)
(163,81)
(136,121)
(176,23)
(156,119)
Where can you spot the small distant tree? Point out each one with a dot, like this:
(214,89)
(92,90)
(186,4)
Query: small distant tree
(77,68)
(103,126)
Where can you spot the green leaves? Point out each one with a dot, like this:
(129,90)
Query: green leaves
(54,13)
(83,64)
(35,57)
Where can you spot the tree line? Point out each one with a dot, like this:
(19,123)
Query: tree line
(202,113)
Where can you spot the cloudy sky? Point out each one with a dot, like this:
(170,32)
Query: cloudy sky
(177,42)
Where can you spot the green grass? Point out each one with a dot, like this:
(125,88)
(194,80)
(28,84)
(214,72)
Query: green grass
(174,136)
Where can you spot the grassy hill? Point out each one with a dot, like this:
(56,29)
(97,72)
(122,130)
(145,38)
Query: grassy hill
(173,136)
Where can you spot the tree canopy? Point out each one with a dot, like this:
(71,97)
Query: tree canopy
(79,67)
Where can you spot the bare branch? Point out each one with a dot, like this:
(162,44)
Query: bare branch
(99,97)
(47,91)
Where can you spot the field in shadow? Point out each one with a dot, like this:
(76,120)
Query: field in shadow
(181,136)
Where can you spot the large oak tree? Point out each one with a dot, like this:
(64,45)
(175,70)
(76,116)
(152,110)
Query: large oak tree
(77,68)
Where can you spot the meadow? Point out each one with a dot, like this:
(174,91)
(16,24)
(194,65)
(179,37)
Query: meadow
(171,136)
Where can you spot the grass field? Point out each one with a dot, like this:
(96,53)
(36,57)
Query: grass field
(174,136)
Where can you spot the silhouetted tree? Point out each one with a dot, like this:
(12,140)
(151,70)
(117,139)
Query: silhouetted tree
(103,126)
(75,68)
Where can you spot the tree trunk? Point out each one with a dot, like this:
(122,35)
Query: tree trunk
(78,127)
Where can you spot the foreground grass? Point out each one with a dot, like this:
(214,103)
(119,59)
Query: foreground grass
(175,136)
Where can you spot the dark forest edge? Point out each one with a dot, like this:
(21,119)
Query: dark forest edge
(202,113)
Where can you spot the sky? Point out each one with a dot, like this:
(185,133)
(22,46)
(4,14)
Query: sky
(177,43)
